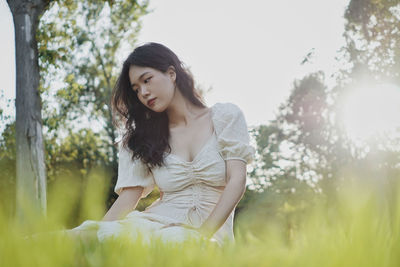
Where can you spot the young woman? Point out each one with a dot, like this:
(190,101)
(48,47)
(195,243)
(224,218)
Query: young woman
(195,154)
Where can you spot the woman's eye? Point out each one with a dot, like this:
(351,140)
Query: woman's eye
(147,79)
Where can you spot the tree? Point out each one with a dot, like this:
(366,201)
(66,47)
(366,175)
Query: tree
(293,154)
(79,44)
(372,33)
(30,165)
(299,144)
(308,123)
(306,143)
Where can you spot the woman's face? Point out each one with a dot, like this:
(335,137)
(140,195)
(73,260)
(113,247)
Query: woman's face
(154,88)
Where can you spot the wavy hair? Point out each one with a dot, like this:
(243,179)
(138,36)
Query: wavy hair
(146,133)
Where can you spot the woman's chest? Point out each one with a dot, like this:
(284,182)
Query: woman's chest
(187,142)
(207,167)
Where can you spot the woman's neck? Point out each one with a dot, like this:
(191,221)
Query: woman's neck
(182,112)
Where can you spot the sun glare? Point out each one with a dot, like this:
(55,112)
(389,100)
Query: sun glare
(371,110)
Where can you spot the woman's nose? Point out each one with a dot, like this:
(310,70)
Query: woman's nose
(144,91)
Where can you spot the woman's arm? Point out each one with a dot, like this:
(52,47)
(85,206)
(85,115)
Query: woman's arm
(230,197)
(125,203)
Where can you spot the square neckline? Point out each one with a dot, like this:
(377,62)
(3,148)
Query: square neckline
(209,139)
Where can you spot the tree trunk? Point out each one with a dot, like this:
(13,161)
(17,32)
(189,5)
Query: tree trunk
(30,164)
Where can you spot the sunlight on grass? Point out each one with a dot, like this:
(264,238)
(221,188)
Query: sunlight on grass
(360,228)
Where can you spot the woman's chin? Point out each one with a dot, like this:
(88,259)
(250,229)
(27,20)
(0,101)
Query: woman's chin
(158,108)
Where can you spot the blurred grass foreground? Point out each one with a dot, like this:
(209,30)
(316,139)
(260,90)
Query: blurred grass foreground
(360,228)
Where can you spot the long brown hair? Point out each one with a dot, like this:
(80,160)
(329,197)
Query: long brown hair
(146,132)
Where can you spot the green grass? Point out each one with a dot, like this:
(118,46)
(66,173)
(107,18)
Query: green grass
(360,228)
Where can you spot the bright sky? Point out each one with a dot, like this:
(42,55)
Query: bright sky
(249,52)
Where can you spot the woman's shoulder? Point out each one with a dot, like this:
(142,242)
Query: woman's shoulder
(232,132)
(225,110)
(226,114)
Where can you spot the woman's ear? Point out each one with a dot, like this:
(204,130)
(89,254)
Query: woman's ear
(172,73)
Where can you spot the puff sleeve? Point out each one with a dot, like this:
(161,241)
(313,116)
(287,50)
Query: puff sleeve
(132,173)
(232,134)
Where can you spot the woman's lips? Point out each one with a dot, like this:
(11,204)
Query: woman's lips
(151,101)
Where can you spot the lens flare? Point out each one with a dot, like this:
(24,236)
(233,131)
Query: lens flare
(371,110)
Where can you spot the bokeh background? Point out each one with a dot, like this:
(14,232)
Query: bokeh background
(318,82)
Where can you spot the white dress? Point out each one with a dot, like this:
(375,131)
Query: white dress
(189,193)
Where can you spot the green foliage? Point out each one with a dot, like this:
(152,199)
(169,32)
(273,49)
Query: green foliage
(7,160)
(7,167)
(81,145)
(296,148)
(304,151)
(80,46)
(372,33)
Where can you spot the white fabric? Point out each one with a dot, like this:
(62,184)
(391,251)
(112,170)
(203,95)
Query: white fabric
(189,193)
(132,173)
(233,136)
